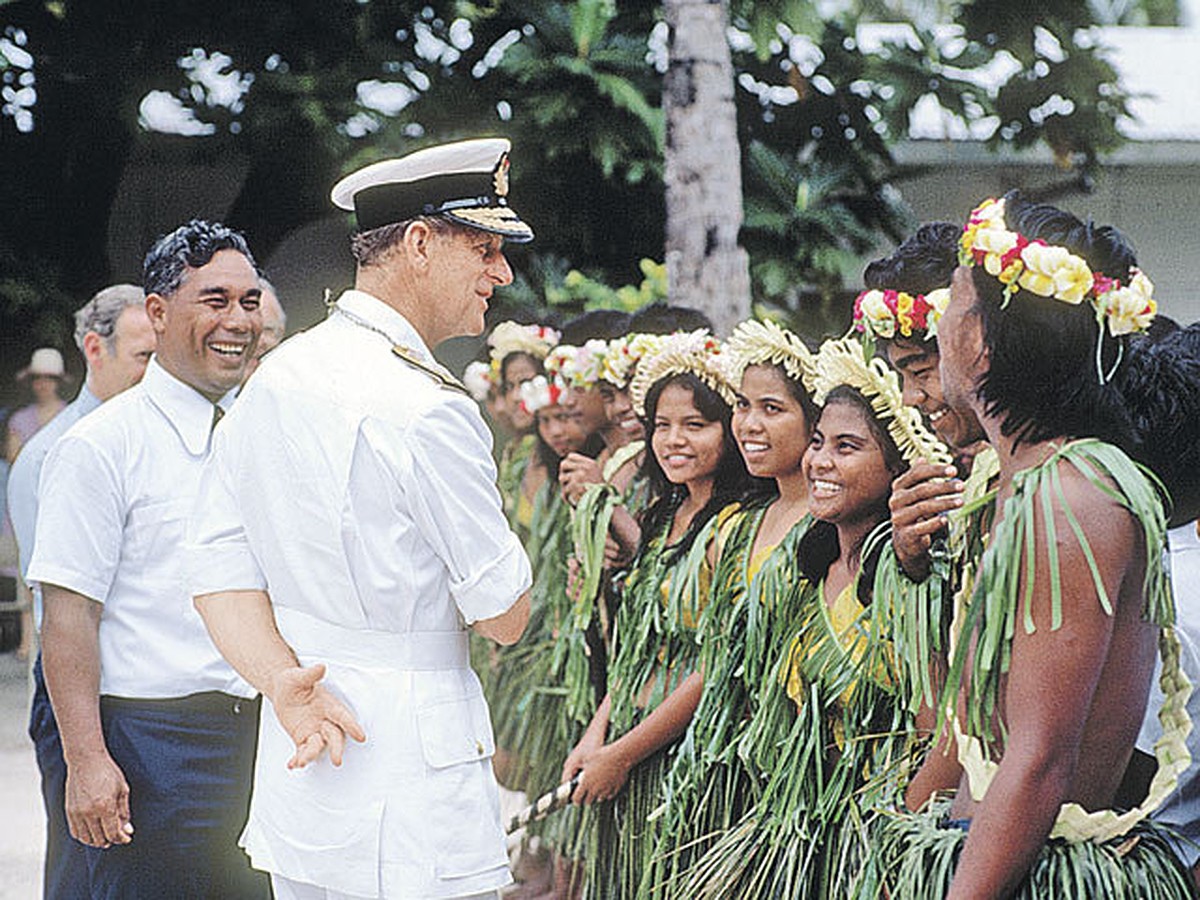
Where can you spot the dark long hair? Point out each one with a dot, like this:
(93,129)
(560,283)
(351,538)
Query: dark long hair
(731,482)
(1042,380)
(819,547)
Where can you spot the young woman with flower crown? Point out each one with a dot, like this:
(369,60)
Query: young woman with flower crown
(835,712)
(695,470)
(753,554)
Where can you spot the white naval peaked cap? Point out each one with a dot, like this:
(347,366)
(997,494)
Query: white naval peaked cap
(466,181)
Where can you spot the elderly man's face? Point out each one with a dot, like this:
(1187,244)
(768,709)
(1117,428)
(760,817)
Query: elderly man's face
(121,363)
(466,265)
(273,328)
(209,328)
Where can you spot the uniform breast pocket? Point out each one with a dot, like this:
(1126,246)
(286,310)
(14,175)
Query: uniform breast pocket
(461,798)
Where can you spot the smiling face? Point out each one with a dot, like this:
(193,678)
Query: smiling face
(465,266)
(687,446)
(848,478)
(559,428)
(921,381)
(618,408)
(209,327)
(769,424)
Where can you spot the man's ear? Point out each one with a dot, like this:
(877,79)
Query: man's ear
(93,349)
(156,310)
(416,241)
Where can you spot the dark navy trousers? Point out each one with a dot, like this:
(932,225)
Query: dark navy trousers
(189,763)
(65,874)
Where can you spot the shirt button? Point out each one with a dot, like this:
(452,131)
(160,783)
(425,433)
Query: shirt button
(479,747)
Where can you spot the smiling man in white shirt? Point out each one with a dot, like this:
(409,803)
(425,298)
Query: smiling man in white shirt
(351,525)
(158,732)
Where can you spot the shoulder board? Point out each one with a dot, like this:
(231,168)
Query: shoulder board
(443,378)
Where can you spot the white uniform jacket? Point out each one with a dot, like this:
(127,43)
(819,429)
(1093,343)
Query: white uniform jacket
(361,493)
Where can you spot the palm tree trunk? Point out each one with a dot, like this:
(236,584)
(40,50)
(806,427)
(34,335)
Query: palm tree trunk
(706,268)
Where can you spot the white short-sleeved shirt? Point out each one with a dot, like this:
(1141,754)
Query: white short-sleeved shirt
(27,471)
(113,501)
(362,495)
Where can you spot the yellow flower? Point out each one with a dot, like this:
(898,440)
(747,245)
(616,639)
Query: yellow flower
(1072,280)
(995,240)
(1042,285)
(1055,272)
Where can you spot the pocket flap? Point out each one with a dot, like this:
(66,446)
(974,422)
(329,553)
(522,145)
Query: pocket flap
(455,731)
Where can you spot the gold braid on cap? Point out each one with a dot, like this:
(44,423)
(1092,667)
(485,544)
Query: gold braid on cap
(623,355)
(844,362)
(756,343)
(696,352)
(511,337)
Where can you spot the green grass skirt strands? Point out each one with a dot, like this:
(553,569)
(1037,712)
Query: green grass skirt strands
(654,644)
(849,747)
(913,857)
(710,786)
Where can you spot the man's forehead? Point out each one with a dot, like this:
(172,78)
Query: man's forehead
(903,355)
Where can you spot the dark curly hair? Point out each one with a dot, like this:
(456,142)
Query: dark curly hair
(189,246)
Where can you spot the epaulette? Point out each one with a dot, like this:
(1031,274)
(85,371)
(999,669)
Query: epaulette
(442,377)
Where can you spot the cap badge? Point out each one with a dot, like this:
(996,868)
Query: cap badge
(500,176)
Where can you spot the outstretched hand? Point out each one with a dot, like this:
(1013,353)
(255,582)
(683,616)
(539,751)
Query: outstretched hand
(312,716)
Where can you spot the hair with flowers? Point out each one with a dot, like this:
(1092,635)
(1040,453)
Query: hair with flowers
(696,352)
(512,337)
(538,393)
(844,362)
(1053,272)
(577,367)
(888,313)
(756,343)
(623,355)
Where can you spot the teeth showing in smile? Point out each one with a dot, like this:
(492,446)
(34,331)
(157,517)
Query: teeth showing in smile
(228,349)
(825,486)
(755,447)
(677,459)
(934,417)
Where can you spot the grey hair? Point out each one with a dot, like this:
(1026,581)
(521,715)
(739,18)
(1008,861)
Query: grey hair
(100,314)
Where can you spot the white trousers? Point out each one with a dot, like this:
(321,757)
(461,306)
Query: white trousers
(286,889)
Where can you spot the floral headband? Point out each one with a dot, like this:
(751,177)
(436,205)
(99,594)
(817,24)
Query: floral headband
(510,337)
(884,313)
(696,352)
(844,362)
(623,355)
(577,367)
(538,393)
(1049,271)
(477,377)
(756,343)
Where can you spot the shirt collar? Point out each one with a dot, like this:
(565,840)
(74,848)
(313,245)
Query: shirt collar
(378,314)
(189,412)
(86,401)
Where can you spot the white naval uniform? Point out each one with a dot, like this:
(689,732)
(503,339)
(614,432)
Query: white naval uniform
(361,493)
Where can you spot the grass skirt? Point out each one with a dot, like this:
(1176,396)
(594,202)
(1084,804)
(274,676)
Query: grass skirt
(914,856)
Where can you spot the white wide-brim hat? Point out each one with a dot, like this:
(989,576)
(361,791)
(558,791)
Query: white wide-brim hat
(45,361)
(466,181)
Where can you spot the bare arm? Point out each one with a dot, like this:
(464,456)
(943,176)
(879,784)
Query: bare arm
(606,770)
(1049,696)
(242,626)
(97,794)
(507,627)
